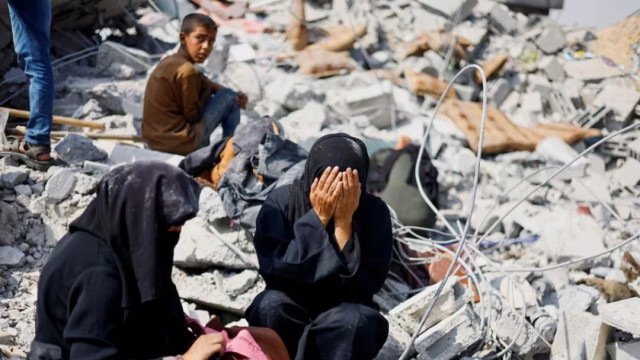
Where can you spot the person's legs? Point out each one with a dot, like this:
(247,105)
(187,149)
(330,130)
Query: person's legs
(223,109)
(275,310)
(31,25)
(347,331)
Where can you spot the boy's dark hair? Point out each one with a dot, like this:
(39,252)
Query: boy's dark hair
(191,21)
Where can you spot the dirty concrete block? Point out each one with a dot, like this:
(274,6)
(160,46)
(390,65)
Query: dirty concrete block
(453,296)
(557,150)
(624,350)
(375,102)
(623,101)
(121,71)
(552,68)
(501,18)
(510,103)
(624,315)
(569,235)
(616,275)
(551,40)
(531,102)
(76,149)
(199,248)
(475,33)
(598,189)
(23,190)
(591,69)
(450,337)
(580,336)
(465,92)
(111,52)
(306,122)
(8,162)
(628,174)
(449,8)
(208,289)
(239,283)
(12,177)
(291,93)
(211,207)
(513,293)
(396,341)
(506,327)
(60,186)
(10,256)
(427,21)
(572,298)
(498,91)
(85,184)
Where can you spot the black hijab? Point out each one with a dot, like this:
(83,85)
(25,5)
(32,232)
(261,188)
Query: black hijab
(133,210)
(339,150)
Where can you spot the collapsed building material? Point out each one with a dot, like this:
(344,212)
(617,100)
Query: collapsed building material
(498,91)
(591,69)
(453,296)
(580,336)
(492,66)
(451,9)
(375,102)
(321,64)
(501,134)
(427,85)
(551,40)
(624,315)
(450,337)
(297,33)
(502,19)
(596,118)
(624,350)
(438,40)
(623,102)
(552,68)
(341,38)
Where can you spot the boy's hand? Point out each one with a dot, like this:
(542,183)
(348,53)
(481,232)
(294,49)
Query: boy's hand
(242,100)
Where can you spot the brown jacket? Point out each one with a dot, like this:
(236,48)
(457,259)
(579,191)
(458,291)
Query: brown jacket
(171,120)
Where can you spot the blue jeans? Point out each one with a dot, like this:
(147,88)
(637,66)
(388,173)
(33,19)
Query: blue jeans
(31,24)
(221,108)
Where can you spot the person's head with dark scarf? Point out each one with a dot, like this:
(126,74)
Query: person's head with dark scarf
(324,246)
(106,291)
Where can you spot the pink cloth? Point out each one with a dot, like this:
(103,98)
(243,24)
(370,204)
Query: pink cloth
(242,344)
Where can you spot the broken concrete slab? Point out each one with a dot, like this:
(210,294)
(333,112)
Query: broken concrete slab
(450,8)
(623,101)
(450,337)
(199,248)
(10,256)
(552,68)
(12,177)
(76,149)
(624,315)
(624,350)
(454,295)
(572,298)
(60,186)
(85,184)
(501,18)
(592,188)
(591,69)
(569,235)
(498,91)
(306,122)
(551,40)
(396,341)
(375,102)
(627,175)
(217,289)
(580,336)
(506,326)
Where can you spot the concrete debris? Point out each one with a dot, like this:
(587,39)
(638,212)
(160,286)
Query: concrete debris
(10,256)
(580,336)
(59,186)
(623,315)
(551,40)
(76,149)
(450,9)
(450,337)
(13,177)
(591,69)
(624,350)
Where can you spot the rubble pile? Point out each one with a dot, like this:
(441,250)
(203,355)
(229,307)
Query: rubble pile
(549,264)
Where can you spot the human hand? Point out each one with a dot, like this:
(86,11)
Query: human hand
(242,100)
(349,198)
(205,346)
(324,194)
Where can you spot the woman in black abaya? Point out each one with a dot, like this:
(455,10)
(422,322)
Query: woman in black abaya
(324,247)
(106,291)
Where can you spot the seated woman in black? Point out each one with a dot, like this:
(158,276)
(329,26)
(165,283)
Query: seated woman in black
(106,291)
(324,247)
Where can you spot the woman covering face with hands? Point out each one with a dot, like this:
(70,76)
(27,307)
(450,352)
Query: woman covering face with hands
(324,247)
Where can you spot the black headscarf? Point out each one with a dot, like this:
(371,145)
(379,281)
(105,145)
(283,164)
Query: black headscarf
(339,150)
(133,210)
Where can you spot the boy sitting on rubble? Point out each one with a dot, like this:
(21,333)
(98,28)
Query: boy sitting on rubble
(182,107)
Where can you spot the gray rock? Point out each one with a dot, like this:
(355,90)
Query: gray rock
(23,190)
(13,178)
(8,161)
(59,187)
(10,256)
(76,149)
(85,184)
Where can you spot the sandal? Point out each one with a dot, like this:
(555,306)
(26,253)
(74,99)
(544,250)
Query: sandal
(30,158)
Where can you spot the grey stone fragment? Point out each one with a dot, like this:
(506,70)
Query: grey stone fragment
(498,91)
(449,8)
(10,256)
(85,184)
(60,186)
(8,161)
(76,149)
(451,336)
(13,177)
(23,190)
(552,68)
(502,19)
(551,41)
